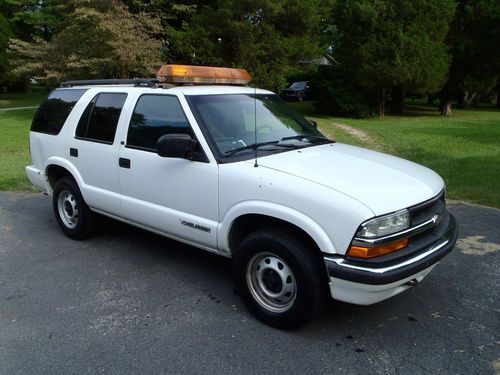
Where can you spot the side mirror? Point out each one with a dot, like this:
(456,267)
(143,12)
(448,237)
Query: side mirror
(175,145)
(314,124)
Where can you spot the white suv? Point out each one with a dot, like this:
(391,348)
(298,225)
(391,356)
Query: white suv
(234,171)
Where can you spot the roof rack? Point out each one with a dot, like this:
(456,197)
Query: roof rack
(137,82)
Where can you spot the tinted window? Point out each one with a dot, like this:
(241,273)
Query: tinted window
(100,118)
(298,85)
(54,111)
(154,116)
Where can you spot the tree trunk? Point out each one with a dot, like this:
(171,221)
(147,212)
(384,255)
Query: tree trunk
(381,101)
(468,99)
(445,108)
(476,99)
(397,99)
(465,100)
(498,93)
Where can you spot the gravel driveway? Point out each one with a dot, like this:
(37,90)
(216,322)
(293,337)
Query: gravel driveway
(131,302)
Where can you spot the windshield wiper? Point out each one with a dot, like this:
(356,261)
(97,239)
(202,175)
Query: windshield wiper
(257,146)
(307,137)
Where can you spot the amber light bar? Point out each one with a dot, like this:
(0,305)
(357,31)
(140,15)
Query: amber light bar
(371,252)
(202,75)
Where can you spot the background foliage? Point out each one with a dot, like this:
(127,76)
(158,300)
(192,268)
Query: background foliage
(379,52)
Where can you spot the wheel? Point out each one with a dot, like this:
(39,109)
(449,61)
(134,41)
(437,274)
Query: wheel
(300,97)
(281,281)
(72,213)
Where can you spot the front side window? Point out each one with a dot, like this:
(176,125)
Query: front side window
(54,111)
(100,118)
(154,116)
(238,124)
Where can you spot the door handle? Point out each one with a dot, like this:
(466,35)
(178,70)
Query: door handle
(124,163)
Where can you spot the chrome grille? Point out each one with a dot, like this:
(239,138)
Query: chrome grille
(427,210)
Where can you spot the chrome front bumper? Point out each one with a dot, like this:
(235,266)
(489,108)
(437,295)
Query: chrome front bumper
(386,280)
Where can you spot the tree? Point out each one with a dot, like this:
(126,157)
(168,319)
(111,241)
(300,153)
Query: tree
(385,44)
(96,40)
(5,34)
(272,39)
(19,19)
(474,39)
(498,93)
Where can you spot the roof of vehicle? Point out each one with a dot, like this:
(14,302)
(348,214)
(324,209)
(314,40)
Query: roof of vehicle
(217,89)
(183,89)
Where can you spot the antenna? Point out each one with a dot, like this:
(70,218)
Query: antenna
(255,124)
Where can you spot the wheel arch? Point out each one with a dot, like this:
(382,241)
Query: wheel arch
(56,168)
(251,216)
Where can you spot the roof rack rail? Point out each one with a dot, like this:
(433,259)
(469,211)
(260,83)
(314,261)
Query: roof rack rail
(138,82)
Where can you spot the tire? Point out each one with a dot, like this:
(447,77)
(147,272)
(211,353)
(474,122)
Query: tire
(72,213)
(300,97)
(280,280)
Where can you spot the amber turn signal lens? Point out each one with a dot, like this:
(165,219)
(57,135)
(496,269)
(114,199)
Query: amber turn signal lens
(202,74)
(371,252)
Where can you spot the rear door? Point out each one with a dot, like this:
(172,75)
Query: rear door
(94,151)
(178,197)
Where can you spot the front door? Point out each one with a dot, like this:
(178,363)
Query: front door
(177,197)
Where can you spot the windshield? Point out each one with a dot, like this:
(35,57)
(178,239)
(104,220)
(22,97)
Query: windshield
(298,85)
(245,122)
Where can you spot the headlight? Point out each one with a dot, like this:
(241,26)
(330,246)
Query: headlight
(385,225)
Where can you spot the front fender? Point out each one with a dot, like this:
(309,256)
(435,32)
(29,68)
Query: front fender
(277,211)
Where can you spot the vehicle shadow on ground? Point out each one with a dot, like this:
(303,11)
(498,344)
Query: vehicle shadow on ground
(160,250)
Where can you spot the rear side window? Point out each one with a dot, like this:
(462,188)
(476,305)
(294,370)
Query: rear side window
(154,116)
(100,119)
(54,111)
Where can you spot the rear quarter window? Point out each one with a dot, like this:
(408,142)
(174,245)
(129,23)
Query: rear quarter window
(54,111)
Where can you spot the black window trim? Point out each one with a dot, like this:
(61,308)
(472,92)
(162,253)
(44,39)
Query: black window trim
(95,140)
(94,101)
(147,149)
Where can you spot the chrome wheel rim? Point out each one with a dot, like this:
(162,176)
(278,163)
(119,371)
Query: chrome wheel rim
(68,209)
(271,282)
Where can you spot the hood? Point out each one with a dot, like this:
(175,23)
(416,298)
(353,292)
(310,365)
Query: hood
(382,182)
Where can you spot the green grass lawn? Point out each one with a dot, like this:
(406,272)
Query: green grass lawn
(463,148)
(14,148)
(23,100)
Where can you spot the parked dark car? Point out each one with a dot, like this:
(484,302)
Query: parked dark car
(297,91)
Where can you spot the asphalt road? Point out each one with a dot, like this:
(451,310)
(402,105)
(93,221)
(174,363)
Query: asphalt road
(131,302)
